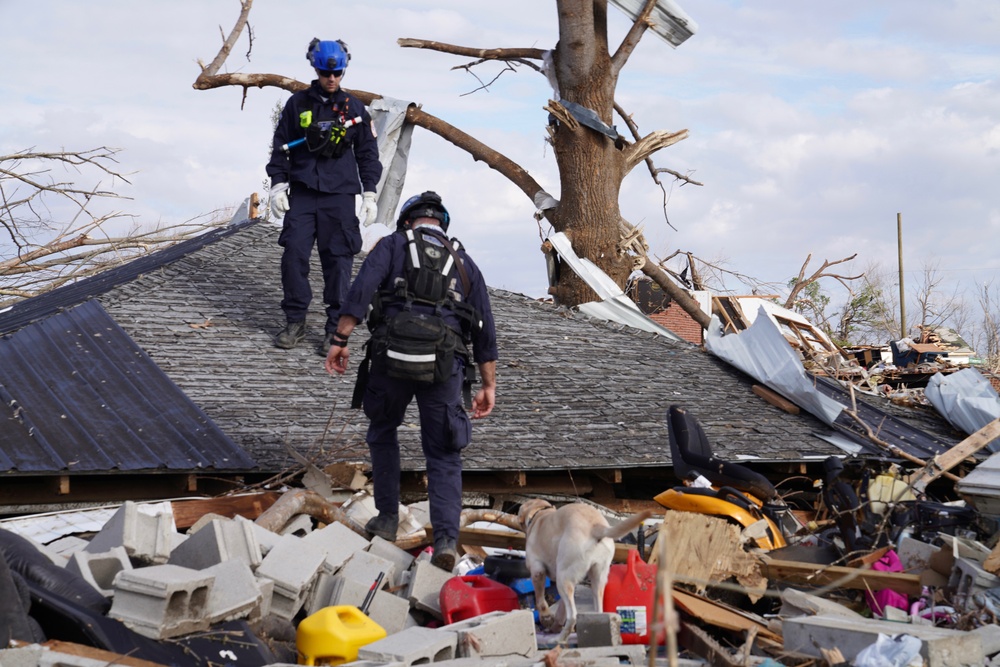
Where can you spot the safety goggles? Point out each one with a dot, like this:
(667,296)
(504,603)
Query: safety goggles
(326,73)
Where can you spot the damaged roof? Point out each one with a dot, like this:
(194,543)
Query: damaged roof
(572,392)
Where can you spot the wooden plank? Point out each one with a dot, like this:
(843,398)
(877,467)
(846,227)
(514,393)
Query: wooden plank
(776,399)
(97,655)
(716,614)
(250,506)
(840,576)
(944,462)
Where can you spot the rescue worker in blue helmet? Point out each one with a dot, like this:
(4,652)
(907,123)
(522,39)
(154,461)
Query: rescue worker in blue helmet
(324,153)
(426,301)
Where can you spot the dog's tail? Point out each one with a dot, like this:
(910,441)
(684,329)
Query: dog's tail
(622,528)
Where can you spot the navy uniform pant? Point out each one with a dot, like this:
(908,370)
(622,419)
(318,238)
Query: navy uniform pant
(328,222)
(445,429)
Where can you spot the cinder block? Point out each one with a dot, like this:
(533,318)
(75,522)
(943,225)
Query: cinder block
(364,566)
(101,569)
(967,579)
(300,526)
(266,539)
(498,633)
(401,559)
(339,542)
(424,591)
(162,601)
(388,610)
(218,541)
(940,647)
(235,593)
(293,567)
(626,654)
(598,629)
(147,538)
(412,646)
(915,555)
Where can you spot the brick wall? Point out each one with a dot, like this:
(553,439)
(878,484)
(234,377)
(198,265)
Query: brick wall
(677,320)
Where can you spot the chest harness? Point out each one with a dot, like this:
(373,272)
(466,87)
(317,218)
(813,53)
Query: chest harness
(327,136)
(416,342)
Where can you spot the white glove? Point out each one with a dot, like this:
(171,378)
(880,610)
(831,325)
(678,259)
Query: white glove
(278,199)
(369,209)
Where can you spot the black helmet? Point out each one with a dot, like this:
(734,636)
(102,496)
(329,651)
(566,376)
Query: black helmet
(425,205)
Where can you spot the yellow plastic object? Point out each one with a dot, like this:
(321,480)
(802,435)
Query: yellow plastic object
(690,502)
(886,489)
(333,635)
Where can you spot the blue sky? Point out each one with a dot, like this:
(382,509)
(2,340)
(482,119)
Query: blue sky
(811,124)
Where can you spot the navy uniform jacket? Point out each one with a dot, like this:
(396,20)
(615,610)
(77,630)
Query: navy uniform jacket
(386,262)
(330,175)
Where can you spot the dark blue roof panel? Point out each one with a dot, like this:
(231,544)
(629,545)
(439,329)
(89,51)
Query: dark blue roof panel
(79,395)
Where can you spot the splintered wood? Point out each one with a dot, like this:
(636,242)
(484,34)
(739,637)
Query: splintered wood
(703,550)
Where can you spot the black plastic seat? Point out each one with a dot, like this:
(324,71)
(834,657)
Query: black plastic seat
(691,452)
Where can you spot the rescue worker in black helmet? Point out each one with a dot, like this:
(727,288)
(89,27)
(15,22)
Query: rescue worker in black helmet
(446,294)
(324,153)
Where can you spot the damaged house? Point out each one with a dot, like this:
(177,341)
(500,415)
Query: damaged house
(158,380)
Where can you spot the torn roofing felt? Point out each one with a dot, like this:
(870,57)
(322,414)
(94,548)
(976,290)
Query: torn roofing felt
(79,395)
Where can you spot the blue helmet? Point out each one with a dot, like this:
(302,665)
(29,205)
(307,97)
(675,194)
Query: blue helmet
(328,55)
(425,205)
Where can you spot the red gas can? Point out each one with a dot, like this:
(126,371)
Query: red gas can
(629,593)
(474,595)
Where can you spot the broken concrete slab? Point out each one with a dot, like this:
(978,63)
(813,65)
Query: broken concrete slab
(496,634)
(941,647)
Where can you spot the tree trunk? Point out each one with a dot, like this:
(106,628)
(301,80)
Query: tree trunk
(591,167)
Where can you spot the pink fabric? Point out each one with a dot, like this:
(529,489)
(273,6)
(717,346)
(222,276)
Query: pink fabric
(879,600)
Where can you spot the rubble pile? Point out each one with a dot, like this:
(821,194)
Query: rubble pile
(300,583)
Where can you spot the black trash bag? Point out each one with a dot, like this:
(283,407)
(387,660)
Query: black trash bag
(24,558)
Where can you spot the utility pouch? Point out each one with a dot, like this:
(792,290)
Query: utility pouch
(419,347)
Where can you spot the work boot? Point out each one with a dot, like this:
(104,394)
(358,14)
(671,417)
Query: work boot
(384,525)
(444,554)
(324,347)
(291,335)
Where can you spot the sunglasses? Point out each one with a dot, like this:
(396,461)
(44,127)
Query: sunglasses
(326,74)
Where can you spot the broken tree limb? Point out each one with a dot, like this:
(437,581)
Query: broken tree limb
(676,293)
(650,144)
(300,501)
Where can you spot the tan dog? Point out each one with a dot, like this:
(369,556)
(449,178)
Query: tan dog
(568,544)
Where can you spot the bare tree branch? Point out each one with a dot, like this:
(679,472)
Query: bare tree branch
(482,54)
(801,282)
(631,39)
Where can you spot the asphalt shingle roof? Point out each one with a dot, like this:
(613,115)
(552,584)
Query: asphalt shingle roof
(572,392)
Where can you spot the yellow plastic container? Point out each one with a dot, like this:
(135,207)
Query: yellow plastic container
(333,635)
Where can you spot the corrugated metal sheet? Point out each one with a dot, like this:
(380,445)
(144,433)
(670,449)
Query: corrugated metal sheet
(79,395)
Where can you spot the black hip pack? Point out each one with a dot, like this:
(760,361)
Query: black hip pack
(418,347)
